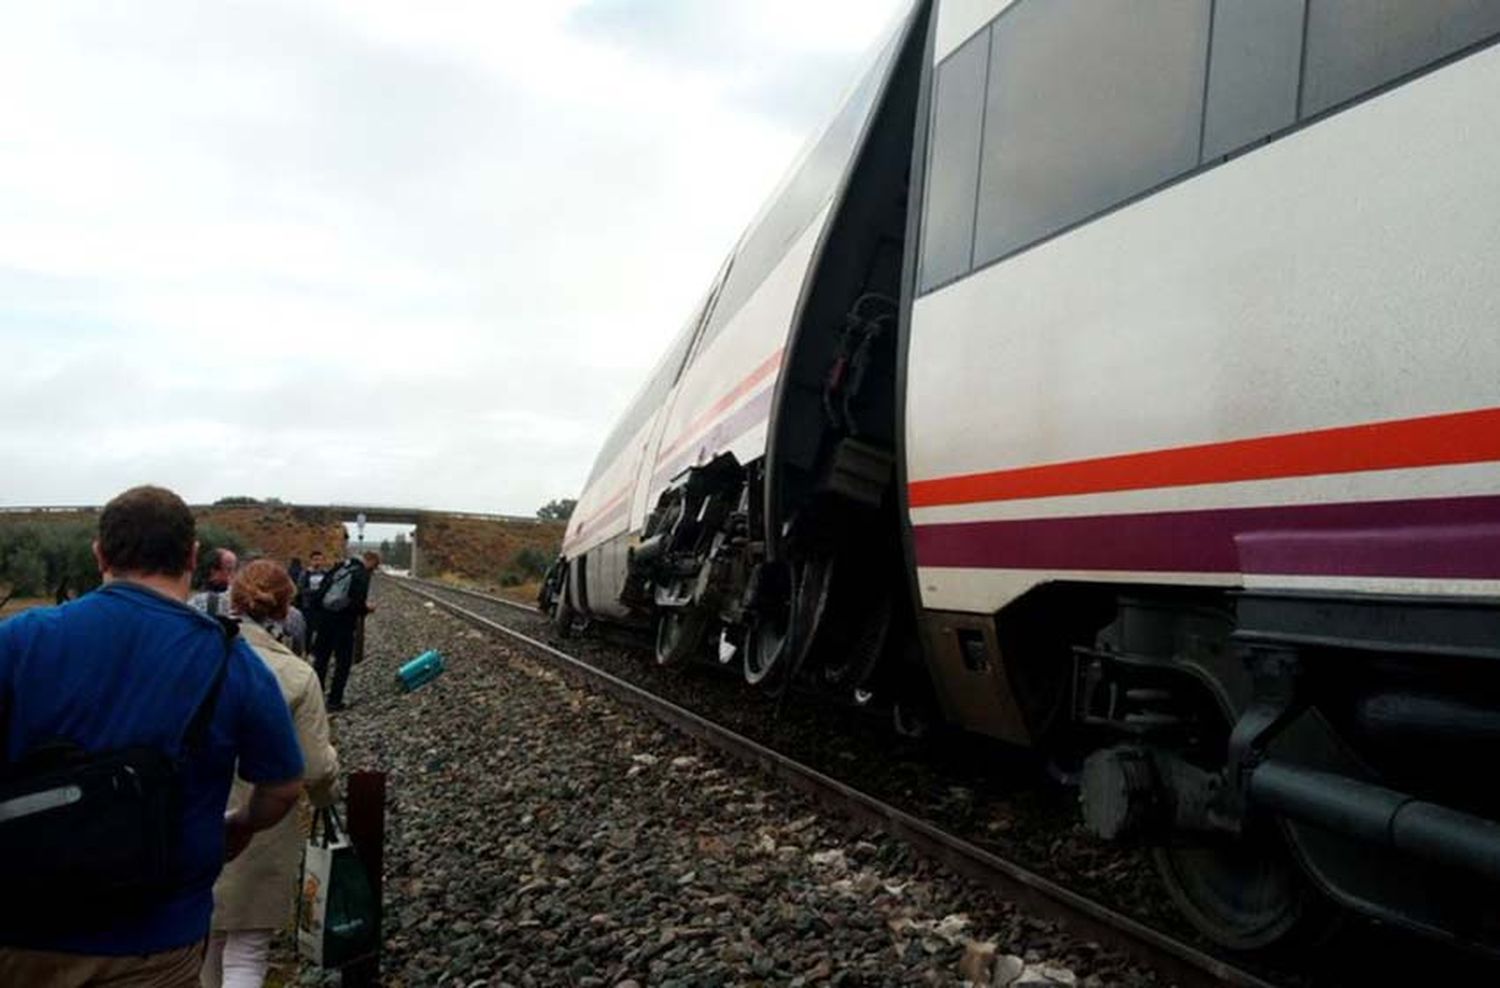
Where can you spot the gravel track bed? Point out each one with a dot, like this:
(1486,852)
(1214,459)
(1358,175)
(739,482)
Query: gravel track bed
(539,834)
(980,791)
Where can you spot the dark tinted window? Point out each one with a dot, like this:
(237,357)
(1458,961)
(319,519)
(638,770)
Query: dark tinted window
(1090,102)
(1252,76)
(804,193)
(1356,45)
(953,170)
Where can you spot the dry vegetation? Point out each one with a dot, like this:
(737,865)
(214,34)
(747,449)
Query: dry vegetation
(280,532)
(470,550)
(479,551)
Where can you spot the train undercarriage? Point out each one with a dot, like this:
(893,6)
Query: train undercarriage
(1281,754)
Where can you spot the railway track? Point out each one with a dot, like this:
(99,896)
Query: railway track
(1176,959)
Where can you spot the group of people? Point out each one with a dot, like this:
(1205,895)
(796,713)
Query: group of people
(125,667)
(312,625)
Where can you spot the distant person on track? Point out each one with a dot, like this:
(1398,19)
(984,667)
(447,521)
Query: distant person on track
(308,587)
(127,667)
(344,602)
(255,893)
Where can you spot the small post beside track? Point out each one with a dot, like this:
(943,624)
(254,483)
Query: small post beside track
(366,816)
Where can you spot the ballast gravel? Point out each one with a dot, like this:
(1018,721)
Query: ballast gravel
(539,834)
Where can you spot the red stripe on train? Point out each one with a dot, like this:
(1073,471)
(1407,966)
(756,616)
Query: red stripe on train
(762,371)
(1435,440)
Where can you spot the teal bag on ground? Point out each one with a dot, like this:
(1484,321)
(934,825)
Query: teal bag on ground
(421,670)
(338,919)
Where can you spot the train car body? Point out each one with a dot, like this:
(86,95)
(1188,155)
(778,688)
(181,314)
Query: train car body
(1126,385)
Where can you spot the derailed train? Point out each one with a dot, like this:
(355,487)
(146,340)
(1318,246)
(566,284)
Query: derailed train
(1122,380)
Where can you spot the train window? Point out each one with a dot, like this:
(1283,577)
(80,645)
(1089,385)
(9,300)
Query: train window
(1089,103)
(1354,46)
(953,171)
(1253,72)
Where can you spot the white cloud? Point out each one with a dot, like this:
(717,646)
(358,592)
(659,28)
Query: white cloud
(371,250)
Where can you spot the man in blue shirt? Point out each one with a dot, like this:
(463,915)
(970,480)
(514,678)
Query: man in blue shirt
(124,666)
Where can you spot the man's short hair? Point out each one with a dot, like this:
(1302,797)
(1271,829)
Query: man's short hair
(372,560)
(147,530)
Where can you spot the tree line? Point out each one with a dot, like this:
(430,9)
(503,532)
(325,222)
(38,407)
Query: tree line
(56,559)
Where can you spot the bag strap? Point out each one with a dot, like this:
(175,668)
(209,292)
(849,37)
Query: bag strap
(332,827)
(4,725)
(195,736)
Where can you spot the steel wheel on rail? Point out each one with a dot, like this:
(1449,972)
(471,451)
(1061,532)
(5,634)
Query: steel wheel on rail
(1245,895)
(562,615)
(769,638)
(680,633)
(852,626)
(789,606)
(1247,892)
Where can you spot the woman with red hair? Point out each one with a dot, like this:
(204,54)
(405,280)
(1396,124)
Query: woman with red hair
(255,892)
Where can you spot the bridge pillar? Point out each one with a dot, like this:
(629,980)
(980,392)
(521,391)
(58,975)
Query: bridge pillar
(415,555)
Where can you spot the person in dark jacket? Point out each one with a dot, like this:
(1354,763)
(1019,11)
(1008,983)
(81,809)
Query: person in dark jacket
(309,584)
(336,626)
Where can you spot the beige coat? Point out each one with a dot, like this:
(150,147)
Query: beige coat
(256,890)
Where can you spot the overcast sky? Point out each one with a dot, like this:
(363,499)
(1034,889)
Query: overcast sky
(401,253)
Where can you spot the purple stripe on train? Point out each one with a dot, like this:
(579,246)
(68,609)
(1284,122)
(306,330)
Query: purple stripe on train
(727,430)
(1434,538)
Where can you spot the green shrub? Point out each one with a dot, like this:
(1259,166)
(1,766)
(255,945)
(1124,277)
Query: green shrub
(36,557)
(531,562)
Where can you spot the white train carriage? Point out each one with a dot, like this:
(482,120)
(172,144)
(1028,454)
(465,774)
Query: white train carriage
(1125,385)
(754,358)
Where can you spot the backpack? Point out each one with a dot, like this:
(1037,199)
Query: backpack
(89,837)
(338,588)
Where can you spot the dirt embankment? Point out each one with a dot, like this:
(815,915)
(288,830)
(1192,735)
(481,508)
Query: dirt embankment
(278,531)
(479,550)
(475,550)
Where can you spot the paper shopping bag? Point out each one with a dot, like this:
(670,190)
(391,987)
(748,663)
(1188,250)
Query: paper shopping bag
(338,919)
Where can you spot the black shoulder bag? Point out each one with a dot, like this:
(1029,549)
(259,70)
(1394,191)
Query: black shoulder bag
(87,838)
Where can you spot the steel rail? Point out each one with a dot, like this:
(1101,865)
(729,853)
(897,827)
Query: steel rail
(1180,961)
(478,594)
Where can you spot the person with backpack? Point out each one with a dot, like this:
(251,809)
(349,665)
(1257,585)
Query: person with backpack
(343,602)
(123,719)
(213,597)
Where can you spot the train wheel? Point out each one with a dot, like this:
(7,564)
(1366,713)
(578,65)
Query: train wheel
(789,612)
(911,719)
(679,634)
(562,615)
(852,630)
(769,637)
(769,640)
(1246,895)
